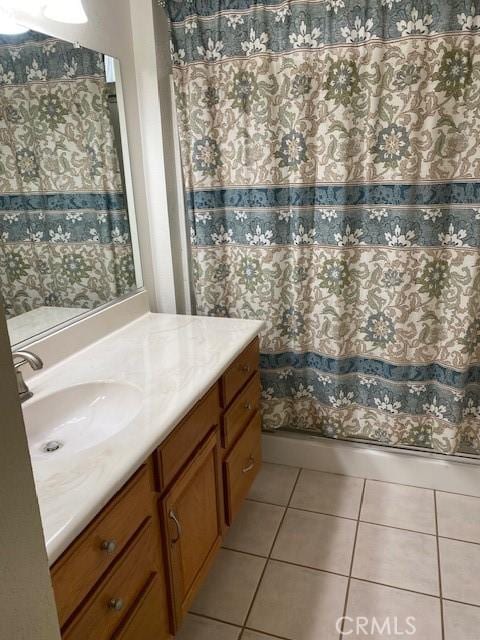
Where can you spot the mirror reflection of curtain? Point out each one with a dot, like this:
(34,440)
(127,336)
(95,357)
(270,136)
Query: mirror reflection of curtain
(64,232)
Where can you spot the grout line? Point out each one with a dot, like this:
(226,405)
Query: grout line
(274,504)
(270,552)
(401,484)
(205,615)
(378,524)
(459,540)
(273,635)
(439,567)
(347,592)
(323,513)
(245,553)
(468,604)
(392,586)
(289,562)
(391,526)
(416,486)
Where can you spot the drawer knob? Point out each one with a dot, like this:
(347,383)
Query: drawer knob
(250,465)
(110,546)
(116,604)
(245,368)
(247,406)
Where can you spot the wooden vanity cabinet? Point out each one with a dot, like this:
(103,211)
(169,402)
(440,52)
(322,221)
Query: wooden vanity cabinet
(133,572)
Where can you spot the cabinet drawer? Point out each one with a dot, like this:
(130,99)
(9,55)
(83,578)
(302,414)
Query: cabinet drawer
(239,372)
(108,605)
(181,444)
(149,618)
(77,571)
(241,411)
(241,466)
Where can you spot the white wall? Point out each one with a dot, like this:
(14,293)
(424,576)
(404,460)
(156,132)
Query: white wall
(173,170)
(109,30)
(27,608)
(152,143)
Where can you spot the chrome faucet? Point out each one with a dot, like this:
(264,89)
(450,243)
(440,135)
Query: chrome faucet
(34,361)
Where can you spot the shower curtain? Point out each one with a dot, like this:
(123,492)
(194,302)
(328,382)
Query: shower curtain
(331,160)
(64,232)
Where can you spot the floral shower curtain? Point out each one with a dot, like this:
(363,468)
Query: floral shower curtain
(64,232)
(332,168)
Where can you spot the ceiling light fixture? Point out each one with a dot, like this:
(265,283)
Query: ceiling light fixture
(32,7)
(69,11)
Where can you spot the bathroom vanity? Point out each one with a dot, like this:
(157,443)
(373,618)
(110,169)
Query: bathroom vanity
(140,557)
(144,435)
(143,444)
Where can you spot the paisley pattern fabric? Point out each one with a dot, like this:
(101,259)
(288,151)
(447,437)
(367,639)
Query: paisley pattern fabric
(64,232)
(332,167)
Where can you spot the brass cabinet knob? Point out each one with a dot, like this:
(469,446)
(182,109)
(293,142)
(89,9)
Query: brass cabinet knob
(116,604)
(110,546)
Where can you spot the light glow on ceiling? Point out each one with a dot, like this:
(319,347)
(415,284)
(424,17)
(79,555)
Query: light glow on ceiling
(8,25)
(67,11)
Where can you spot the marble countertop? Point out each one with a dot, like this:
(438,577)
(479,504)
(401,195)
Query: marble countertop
(173,360)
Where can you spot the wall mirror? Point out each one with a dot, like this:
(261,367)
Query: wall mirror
(67,229)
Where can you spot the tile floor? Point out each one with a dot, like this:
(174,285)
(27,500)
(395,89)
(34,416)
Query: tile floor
(309,548)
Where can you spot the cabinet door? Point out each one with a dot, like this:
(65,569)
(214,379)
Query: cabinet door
(192,517)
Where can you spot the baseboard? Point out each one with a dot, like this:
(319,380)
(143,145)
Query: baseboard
(373,462)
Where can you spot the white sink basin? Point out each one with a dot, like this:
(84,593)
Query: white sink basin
(79,417)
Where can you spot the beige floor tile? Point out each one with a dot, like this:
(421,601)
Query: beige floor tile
(229,588)
(462,622)
(253,635)
(328,493)
(458,517)
(460,566)
(393,610)
(196,628)
(298,603)
(397,558)
(399,506)
(274,484)
(255,528)
(316,540)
